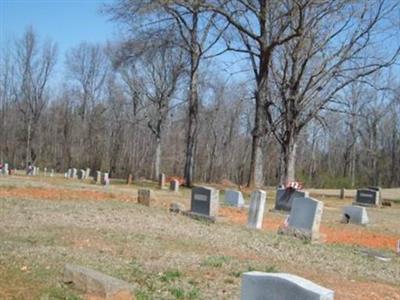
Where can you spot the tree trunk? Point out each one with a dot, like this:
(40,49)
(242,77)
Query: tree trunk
(289,149)
(157,162)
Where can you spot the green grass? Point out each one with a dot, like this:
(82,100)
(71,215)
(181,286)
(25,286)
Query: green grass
(170,275)
(215,261)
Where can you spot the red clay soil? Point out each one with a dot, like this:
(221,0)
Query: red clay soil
(340,235)
(60,194)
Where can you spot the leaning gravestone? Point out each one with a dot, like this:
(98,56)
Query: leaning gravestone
(234,198)
(174,185)
(161,180)
(96,284)
(281,286)
(305,219)
(355,214)
(145,196)
(256,209)
(285,197)
(367,197)
(204,202)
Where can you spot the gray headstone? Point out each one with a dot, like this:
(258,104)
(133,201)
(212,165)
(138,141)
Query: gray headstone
(96,284)
(234,198)
(355,214)
(367,197)
(305,218)
(37,171)
(98,177)
(174,185)
(205,201)
(87,173)
(52,173)
(161,180)
(145,196)
(45,171)
(285,197)
(74,173)
(256,209)
(281,286)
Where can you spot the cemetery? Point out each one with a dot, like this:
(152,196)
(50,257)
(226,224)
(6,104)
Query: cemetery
(74,237)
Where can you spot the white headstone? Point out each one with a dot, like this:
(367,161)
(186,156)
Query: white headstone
(74,173)
(256,209)
(98,177)
(87,173)
(355,214)
(234,198)
(106,179)
(281,286)
(52,173)
(45,171)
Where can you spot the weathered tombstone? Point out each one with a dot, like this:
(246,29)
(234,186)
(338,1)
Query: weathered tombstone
(281,286)
(145,196)
(74,173)
(342,193)
(34,171)
(96,284)
(66,175)
(174,185)
(355,214)
(105,180)
(81,174)
(69,173)
(37,171)
(129,180)
(5,169)
(161,181)
(45,171)
(52,173)
(305,219)
(87,173)
(285,197)
(234,198)
(256,209)
(367,197)
(204,202)
(98,177)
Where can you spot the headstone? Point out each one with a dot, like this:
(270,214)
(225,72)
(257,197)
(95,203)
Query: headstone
(281,286)
(285,197)
(81,174)
(96,284)
(87,173)
(5,169)
(34,172)
(256,209)
(234,198)
(105,180)
(129,180)
(98,177)
(342,193)
(367,197)
(145,196)
(355,214)
(45,171)
(174,185)
(305,219)
(66,175)
(398,247)
(52,173)
(69,173)
(161,181)
(74,173)
(204,202)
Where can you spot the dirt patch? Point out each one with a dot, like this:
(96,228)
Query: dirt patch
(61,194)
(338,235)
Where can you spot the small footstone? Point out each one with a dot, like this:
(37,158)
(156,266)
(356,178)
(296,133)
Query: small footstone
(97,284)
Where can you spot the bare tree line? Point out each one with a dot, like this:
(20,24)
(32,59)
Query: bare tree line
(316,98)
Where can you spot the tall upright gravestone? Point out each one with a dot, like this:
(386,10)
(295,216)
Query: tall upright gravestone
(256,209)
(285,197)
(161,180)
(98,177)
(174,185)
(204,202)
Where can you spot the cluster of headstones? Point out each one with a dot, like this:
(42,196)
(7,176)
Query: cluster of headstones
(81,174)
(173,184)
(35,171)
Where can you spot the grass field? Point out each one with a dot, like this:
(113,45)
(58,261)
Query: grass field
(47,222)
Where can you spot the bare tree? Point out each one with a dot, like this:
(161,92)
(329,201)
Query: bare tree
(34,65)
